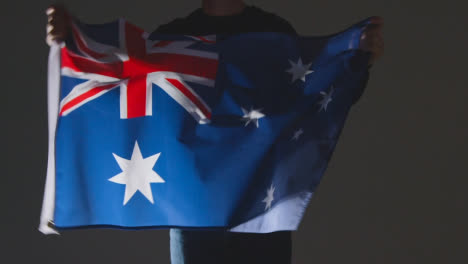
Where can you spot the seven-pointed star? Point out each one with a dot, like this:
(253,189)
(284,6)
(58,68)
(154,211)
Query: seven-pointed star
(297,134)
(299,70)
(252,116)
(137,174)
(326,99)
(269,198)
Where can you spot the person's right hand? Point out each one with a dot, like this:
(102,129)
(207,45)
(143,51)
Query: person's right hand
(57,24)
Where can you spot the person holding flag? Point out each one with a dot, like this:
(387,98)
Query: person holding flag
(225,17)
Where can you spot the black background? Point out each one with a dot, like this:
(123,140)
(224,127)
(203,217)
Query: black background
(394,191)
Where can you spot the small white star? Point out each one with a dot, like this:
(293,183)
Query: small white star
(137,174)
(299,70)
(326,99)
(297,134)
(269,198)
(252,116)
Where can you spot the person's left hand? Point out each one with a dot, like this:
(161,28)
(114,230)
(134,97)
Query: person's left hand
(372,39)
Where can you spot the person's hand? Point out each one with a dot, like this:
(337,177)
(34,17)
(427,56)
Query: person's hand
(57,24)
(372,39)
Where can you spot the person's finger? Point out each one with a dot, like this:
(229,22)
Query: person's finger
(57,10)
(57,32)
(50,10)
(373,28)
(49,28)
(56,35)
(55,19)
(50,40)
(372,37)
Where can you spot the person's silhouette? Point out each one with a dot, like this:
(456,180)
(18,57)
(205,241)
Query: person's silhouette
(200,246)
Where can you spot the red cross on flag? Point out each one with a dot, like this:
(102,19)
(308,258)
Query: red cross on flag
(134,67)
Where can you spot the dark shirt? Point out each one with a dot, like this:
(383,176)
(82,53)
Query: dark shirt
(251,19)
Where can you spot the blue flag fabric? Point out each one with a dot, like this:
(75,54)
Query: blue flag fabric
(159,131)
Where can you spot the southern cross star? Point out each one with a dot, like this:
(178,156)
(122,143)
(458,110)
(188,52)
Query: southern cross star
(137,174)
(269,198)
(252,116)
(326,99)
(297,134)
(299,70)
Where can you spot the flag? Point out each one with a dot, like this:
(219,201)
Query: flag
(209,132)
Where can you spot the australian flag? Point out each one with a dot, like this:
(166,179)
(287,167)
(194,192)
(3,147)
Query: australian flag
(160,131)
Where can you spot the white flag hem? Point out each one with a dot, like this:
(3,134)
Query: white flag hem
(53,96)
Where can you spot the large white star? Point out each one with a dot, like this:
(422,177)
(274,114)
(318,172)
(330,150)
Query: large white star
(252,116)
(326,99)
(269,198)
(137,174)
(299,70)
(297,134)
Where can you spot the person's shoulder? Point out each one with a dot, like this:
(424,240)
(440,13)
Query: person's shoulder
(253,9)
(171,27)
(177,25)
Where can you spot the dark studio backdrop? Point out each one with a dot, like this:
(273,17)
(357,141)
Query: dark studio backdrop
(394,191)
